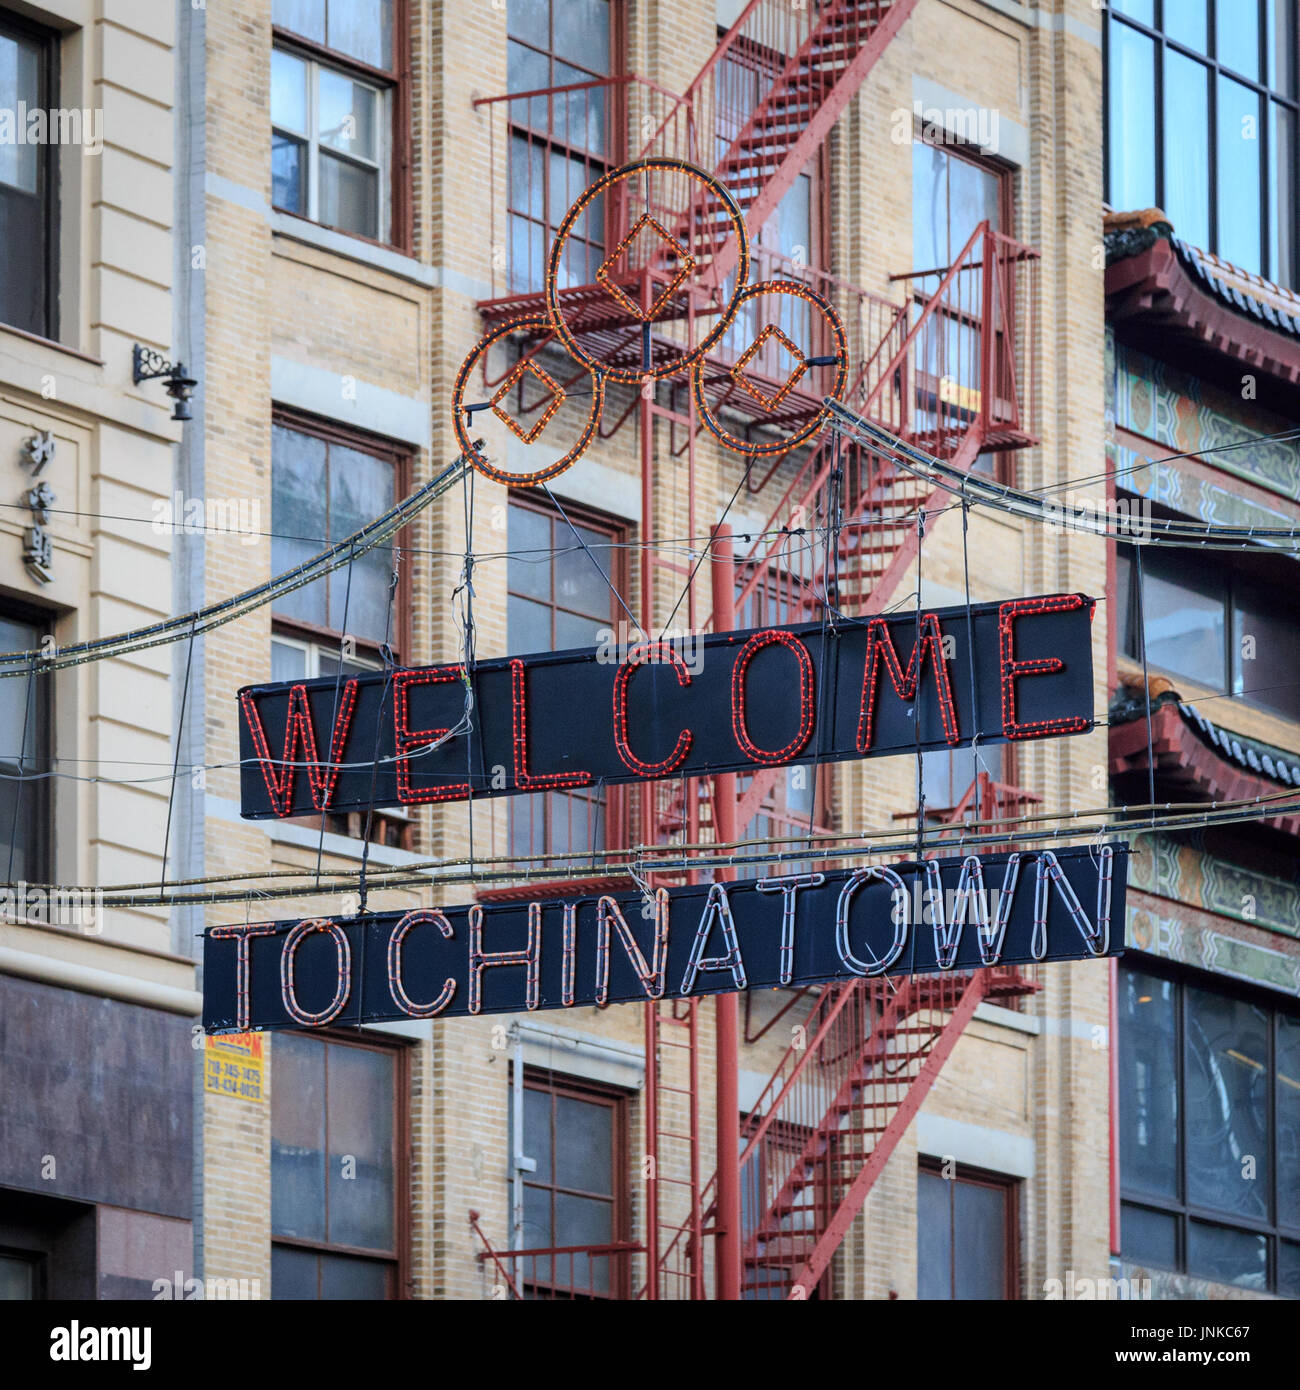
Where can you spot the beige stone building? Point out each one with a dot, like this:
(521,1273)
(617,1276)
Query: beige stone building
(98,1001)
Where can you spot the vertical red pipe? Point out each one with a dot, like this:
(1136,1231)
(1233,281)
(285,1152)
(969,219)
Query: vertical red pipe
(727,1010)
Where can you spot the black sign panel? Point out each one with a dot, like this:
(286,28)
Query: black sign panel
(680,706)
(489,958)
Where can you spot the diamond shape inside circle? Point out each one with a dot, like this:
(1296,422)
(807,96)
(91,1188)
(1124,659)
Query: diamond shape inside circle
(738,371)
(685,265)
(554,400)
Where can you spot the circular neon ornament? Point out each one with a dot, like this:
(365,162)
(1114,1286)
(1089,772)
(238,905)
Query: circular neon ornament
(530,429)
(656,224)
(772,332)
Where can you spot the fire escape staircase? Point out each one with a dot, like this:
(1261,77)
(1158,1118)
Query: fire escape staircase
(841,1098)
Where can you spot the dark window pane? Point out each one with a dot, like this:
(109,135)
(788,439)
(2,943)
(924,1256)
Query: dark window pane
(1288,1269)
(1185,616)
(1149,1238)
(933,1236)
(361,1175)
(20,81)
(288,173)
(583,1221)
(537,1223)
(1187,147)
(571,630)
(25,723)
(529,572)
(582,33)
(1132,104)
(1240,205)
(363,29)
(295,1274)
(1227,1256)
(1148,1084)
(289,91)
(527,180)
(347,116)
(530,20)
(1288,1120)
(528,626)
(1281,40)
(288,662)
(349,196)
(1236,35)
(17,1278)
(26,289)
(584,1145)
(305,17)
(1282,157)
(299,520)
(1263,646)
(1185,22)
(538,1135)
(579,583)
(360,489)
(1227,1085)
(298,1138)
(980,1234)
(342,1277)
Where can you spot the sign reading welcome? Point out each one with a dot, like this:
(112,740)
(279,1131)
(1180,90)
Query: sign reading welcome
(942,914)
(725,702)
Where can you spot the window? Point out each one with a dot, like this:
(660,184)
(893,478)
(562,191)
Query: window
(967,1244)
(559,143)
(338,1179)
(1233,632)
(577,1193)
(1201,121)
(25,723)
(794,236)
(326,484)
(762,1178)
(559,599)
(1209,1132)
(338,138)
(28,182)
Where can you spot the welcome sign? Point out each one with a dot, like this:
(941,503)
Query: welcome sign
(939,914)
(764,698)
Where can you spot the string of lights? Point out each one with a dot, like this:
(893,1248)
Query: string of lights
(240,605)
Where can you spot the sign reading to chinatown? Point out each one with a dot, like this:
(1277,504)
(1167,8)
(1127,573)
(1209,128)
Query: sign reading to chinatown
(944,914)
(728,702)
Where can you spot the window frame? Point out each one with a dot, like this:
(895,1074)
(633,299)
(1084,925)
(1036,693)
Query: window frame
(41,789)
(1266,95)
(1010,1186)
(548,140)
(48,169)
(402,462)
(619,1102)
(1180,1208)
(617,800)
(396,163)
(1234,585)
(399,1261)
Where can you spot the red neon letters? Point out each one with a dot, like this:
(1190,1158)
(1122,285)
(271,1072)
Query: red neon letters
(880,646)
(1012,669)
(748,652)
(650,651)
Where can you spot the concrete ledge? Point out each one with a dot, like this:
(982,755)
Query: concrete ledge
(70,975)
(978,1145)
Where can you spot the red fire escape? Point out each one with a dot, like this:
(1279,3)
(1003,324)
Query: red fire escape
(947,370)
